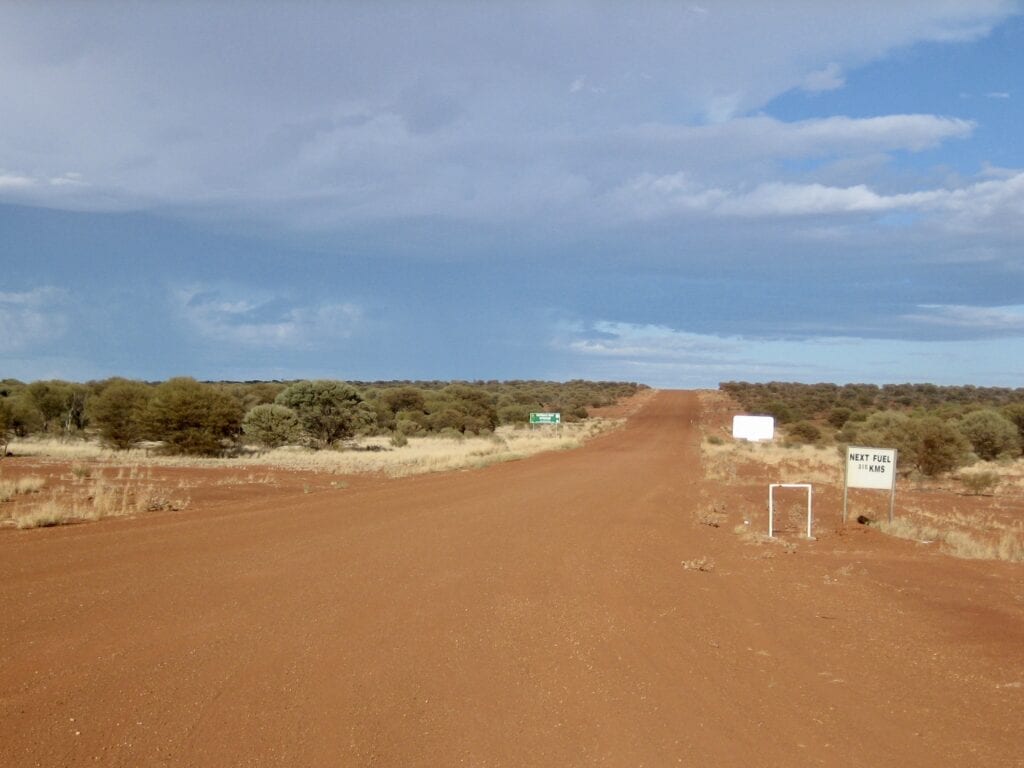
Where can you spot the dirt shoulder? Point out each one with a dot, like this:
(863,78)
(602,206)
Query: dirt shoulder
(574,608)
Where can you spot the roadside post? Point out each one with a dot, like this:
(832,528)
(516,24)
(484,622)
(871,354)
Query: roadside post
(873,468)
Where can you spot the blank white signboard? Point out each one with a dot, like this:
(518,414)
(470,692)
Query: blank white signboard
(753,427)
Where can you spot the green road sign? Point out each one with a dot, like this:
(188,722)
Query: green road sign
(545,418)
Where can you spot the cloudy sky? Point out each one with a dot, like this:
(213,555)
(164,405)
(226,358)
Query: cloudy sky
(673,193)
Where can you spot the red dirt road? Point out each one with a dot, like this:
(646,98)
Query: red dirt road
(535,613)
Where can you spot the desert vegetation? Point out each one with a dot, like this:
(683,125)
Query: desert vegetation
(103,439)
(936,429)
(186,417)
(79,492)
(960,468)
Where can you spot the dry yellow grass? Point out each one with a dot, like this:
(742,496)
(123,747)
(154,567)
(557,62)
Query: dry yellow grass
(373,454)
(23,485)
(95,497)
(44,515)
(798,464)
(968,544)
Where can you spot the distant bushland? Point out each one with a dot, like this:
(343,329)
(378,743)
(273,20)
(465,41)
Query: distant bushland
(187,416)
(936,429)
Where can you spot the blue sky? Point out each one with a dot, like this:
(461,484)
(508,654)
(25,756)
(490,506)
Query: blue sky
(672,193)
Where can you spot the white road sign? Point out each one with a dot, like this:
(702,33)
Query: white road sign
(870,467)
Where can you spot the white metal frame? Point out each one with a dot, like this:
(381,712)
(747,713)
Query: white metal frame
(771,506)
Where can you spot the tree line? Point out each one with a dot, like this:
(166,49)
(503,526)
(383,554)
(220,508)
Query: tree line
(936,429)
(187,416)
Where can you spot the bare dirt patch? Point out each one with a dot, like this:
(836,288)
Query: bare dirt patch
(587,607)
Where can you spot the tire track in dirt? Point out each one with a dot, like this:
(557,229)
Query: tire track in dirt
(535,613)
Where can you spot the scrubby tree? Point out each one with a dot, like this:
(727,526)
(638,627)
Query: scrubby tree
(329,411)
(6,425)
(272,425)
(839,415)
(939,447)
(885,429)
(928,444)
(1015,413)
(514,413)
(60,404)
(463,408)
(804,432)
(991,434)
(25,417)
(403,399)
(119,410)
(193,418)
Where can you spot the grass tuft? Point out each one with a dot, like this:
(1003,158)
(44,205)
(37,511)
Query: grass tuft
(45,515)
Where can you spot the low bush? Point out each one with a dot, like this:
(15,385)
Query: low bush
(272,426)
(804,432)
(119,411)
(928,444)
(192,418)
(991,434)
(980,482)
(329,411)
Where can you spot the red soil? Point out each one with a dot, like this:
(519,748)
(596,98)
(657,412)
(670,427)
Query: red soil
(536,613)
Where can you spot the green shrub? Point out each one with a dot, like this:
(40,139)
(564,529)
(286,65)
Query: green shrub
(272,425)
(514,414)
(25,417)
(410,424)
(939,446)
(979,482)
(804,432)
(119,411)
(192,418)
(838,416)
(991,434)
(928,444)
(1015,413)
(329,411)
(6,425)
(403,399)
(782,412)
(60,404)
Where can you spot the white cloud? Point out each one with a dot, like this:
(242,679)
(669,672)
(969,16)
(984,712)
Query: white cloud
(263,323)
(998,95)
(296,108)
(15,181)
(723,108)
(766,137)
(29,319)
(21,181)
(1006,319)
(666,357)
(828,79)
(652,342)
(995,203)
